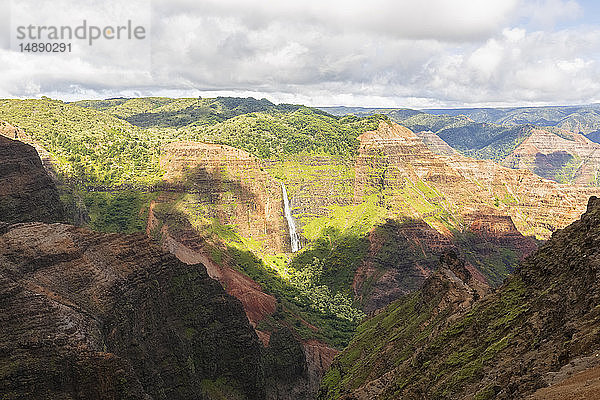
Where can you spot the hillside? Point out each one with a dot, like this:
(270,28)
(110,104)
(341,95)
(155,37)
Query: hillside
(442,342)
(73,290)
(88,147)
(562,156)
(166,112)
(96,315)
(311,152)
(583,119)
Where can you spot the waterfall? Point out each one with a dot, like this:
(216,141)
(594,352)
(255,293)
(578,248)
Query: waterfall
(294,239)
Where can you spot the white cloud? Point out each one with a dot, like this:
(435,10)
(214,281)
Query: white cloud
(514,34)
(380,53)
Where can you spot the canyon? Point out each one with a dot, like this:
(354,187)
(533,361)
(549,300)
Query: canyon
(281,255)
(461,202)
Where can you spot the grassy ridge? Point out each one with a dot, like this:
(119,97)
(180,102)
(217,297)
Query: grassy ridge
(410,326)
(167,112)
(303,130)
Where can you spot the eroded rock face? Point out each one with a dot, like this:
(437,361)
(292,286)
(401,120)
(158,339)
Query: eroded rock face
(189,247)
(393,160)
(576,159)
(232,185)
(101,316)
(433,195)
(295,379)
(501,230)
(27,193)
(436,144)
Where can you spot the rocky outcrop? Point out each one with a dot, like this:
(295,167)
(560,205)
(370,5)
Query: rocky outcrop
(401,256)
(568,158)
(436,144)
(394,162)
(501,230)
(18,133)
(297,380)
(101,316)
(27,193)
(294,367)
(540,329)
(231,186)
(367,367)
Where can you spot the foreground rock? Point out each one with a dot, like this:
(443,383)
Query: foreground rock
(27,193)
(539,329)
(101,316)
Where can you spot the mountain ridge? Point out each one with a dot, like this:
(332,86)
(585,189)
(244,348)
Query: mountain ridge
(507,345)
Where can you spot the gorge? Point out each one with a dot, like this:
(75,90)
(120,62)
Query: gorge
(279,244)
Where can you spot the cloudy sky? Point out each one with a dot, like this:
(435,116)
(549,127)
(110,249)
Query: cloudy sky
(392,53)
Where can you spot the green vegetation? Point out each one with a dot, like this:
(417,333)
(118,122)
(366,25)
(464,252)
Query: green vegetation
(89,147)
(583,119)
(353,220)
(378,345)
(312,310)
(121,211)
(275,134)
(258,126)
(284,358)
(220,389)
(339,245)
(166,112)
(454,353)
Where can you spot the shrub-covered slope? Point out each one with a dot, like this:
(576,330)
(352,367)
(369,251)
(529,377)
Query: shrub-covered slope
(168,112)
(441,344)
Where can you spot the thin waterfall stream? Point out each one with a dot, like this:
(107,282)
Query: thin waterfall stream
(294,238)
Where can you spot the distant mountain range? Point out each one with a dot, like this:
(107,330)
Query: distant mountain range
(556,143)
(584,119)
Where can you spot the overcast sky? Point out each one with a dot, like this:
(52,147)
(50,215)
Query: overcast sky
(392,53)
